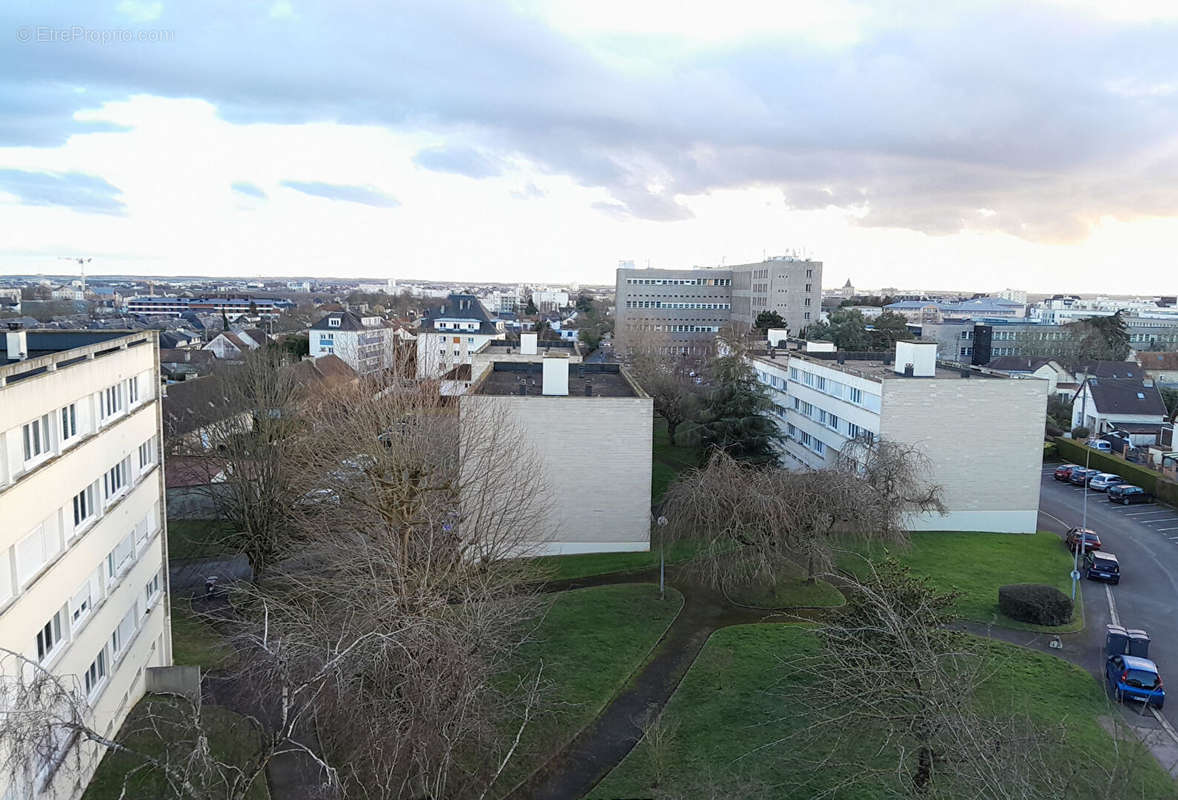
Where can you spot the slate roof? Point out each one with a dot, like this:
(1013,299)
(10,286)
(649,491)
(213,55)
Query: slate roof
(325,369)
(202,359)
(193,404)
(1121,370)
(459,306)
(348,321)
(1126,397)
(1017,363)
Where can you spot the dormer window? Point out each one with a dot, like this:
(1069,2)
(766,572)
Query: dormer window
(333,322)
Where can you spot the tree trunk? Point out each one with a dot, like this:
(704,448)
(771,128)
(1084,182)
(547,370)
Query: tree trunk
(924,770)
(671,428)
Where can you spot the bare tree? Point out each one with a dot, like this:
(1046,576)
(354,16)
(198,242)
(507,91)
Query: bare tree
(241,449)
(893,703)
(758,522)
(400,593)
(667,374)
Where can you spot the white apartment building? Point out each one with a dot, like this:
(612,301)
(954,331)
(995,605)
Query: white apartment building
(982,433)
(83,561)
(550,299)
(449,335)
(367,344)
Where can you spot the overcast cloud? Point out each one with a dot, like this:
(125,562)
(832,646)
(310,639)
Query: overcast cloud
(1036,121)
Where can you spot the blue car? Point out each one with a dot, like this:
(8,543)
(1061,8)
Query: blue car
(1133,678)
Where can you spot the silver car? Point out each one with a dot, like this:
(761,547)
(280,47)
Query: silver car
(1101,482)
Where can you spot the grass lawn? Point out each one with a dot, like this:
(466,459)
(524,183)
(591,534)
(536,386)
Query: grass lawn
(590,642)
(788,592)
(232,739)
(670,460)
(736,699)
(197,538)
(583,565)
(194,641)
(976,564)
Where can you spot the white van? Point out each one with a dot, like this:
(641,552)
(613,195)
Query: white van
(1100,444)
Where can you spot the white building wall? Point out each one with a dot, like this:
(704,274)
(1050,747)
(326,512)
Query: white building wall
(438,353)
(983,438)
(593,454)
(36,508)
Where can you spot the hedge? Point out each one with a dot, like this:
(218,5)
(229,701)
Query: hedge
(1036,603)
(1049,451)
(1076,453)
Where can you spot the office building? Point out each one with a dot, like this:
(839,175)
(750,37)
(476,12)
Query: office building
(687,307)
(586,432)
(982,433)
(83,561)
(264,307)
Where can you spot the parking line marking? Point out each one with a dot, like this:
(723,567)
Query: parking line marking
(1146,513)
(1166,726)
(1112,604)
(1169,529)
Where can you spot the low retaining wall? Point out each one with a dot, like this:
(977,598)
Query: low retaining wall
(184,681)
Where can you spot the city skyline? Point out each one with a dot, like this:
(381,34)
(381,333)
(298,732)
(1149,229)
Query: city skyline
(899,145)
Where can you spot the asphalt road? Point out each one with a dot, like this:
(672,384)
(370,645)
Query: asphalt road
(1145,540)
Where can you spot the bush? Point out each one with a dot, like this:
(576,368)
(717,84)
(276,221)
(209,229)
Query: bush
(1036,603)
(1079,432)
(1050,451)
(1080,454)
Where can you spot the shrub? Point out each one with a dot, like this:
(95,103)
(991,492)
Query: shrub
(1079,432)
(1036,603)
(1077,453)
(1050,451)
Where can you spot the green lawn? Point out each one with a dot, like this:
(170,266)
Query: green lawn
(670,460)
(590,642)
(198,538)
(231,739)
(790,591)
(586,564)
(194,641)
(726,726)
(976,564)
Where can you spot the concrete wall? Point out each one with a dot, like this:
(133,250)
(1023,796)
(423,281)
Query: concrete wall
(593,454)
(984,439)
(626,319)
(42,494)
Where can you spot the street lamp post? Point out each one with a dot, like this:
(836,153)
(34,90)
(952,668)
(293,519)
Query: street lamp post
(1079,544)
(662,523)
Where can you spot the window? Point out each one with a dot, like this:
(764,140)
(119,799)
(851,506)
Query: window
(147,454)
(793,373)
(819,447)
(96,673)
(49,638)
(820,383)
(36,438)
(856,395)
(110,401)
(85,504)
(69,422)
(832,421)
(853,430)
(119,559)
(115,480)
(80,604)
(791,431)
(133,389)
(152,590)
(333,322)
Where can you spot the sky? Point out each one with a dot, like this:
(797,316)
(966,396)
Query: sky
(980,145)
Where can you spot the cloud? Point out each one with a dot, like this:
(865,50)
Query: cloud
(248,189)
(922,117)
(529,192)
(87,194)
(364,195)
(458,160)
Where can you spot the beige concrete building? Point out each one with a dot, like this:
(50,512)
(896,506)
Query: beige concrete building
(83,562)
(588,427)
(689,306)
(981,432)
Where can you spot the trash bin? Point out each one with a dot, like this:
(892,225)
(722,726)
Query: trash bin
(1138,643)
(1116,641)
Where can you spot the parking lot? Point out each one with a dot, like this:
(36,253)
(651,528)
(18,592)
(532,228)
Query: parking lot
(1145,540)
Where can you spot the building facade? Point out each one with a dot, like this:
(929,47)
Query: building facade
(264,307)
(367,344)
(451,333)
(982,434)
(687,307)
(83,560)
(588,427)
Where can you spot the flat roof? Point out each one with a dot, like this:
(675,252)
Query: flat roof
(506,378)
(873,367)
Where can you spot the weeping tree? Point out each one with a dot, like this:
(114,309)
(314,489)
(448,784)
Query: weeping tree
(759,522)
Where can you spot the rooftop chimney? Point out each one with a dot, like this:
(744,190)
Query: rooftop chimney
(527,344)
(556,374)
(18,345)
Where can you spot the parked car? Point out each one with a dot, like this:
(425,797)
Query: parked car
(1101,481)
(1064,471)
(1133,678)
(1102,567)
(1076,535)
(1127,494)
(1079,475)
(1101,445)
